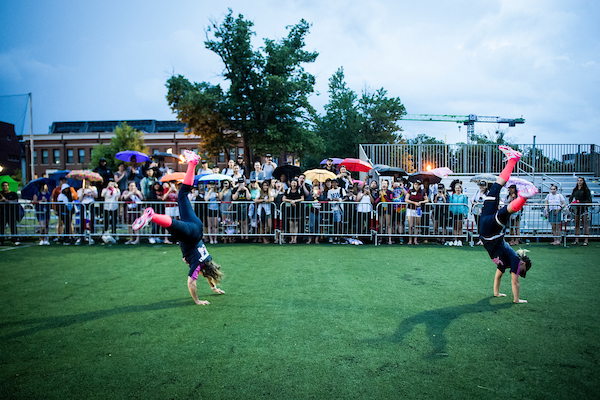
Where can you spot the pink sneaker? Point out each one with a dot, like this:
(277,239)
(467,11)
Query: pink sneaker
(528,191)
(190,156)
(510,153)
(144,220)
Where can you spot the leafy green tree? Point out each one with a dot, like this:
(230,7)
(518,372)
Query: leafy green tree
(422,138)
(124,138)
(267,99)
(349,120)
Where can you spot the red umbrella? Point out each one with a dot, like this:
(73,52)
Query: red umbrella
(356,165)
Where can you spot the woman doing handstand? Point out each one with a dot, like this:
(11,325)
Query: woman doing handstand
(492,225)
(188,231)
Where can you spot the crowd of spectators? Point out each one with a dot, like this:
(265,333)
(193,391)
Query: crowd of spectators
(254,206)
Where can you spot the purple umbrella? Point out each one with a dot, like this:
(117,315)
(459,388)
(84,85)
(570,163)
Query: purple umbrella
(132,156)
(336,161)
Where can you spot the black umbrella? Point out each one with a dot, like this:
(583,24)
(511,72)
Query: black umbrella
(164,154)
(386,170)
(421,175)
(290,171)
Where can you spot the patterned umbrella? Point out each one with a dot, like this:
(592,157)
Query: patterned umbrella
(354,164)
(85,175)
(319,174)
(132,156)
(485,178)
(442,172)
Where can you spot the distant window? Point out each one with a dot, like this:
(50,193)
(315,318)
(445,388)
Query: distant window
(222,157)
(81,156)
(35,157)
(44,156)
(232,153)
(70,156)
(56,156)
(154,151)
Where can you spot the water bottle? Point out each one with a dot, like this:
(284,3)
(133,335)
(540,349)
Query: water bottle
(418,211)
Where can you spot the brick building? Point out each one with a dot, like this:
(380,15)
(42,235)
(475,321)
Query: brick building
(68,145)
(10,149)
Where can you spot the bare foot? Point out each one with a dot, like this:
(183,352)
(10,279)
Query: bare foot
(202,303)
(500,295)
(520,301)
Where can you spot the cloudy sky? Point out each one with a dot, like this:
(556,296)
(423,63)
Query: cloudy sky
(109,60)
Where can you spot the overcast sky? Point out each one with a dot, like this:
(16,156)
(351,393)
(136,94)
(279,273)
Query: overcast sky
(109,60)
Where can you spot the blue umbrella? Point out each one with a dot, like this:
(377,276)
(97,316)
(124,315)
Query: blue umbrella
(33,187)
(127,156)
(61,174)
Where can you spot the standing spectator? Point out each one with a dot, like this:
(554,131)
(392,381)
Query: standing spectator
(9,212)
(120,177)
(240,163)
(134,174)
(258,174)
(416,198)
(242,194)
(215,169)
(293,196)
(555,202)
(229,170)
(329,166)
(364,210)
(42,212)
(268,167)
(314,210)
(515,219)
(133,198)
(581,194)
(111,195)
(212,197)
(237,174)
(87,197)
(277,191)
(430,191)
(55,193)
(225,196)
(104,172)
(336,195)
(458,210)
(399,211)
(66,211)
(440,213)
(171,207)
(344,178)
(264,203)
(147,183)
(476,204)
(385,217)
(204,170)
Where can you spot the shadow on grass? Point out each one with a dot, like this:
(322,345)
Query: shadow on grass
(436,322)
(62,321)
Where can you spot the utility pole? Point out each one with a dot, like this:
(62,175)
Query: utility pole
(30,140)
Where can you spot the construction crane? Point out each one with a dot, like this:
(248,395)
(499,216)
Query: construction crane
(468,120)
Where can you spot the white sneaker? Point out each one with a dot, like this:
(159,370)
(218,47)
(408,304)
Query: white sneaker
(152,240)
(92,241)
(190,156)
(459,243)
(41,243)
(78,242)
(449,243)
(144,220)
(455,243)
(510,153)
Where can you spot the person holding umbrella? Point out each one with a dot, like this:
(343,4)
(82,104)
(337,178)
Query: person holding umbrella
(188,231)
(42,211)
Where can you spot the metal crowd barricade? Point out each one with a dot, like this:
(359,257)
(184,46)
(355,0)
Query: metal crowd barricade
(395,221)
(578,216)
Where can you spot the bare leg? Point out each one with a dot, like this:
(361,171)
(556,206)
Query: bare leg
(515,288)
(194,292)
(497,279)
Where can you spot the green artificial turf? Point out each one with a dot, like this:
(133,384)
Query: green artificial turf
(331,322)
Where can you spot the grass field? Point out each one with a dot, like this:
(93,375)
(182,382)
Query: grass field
(323,322)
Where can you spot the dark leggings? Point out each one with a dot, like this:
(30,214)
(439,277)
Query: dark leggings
(189,229)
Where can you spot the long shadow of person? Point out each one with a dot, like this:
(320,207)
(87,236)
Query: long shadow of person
(436,322)
(61,321)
